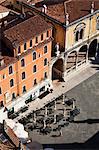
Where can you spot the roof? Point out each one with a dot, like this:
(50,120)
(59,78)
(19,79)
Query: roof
(57,11)
(7,61)
(3,9)
(81,7)
(1,1)
(75,8)
(26,30)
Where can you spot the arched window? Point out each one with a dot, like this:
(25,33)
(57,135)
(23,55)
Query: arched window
(24,89)
(45,61)
(22,63)
(45,75)
(77,36)
(19,50)
(34,68)
(23,75)
(34,55)
(35,81)
(13,96)
(45,49)
(81,34)
(10,70)
(25,46)
(11,82)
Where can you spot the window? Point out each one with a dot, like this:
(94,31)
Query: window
(45,49)
(1,104)
(3,76)
(22,63)
(23,75)
(10,70)
(36,40)
(97,26)
(34,55)
(81,33)
(13,96)
(41,37)
(30,43)
(47,34)
(45,75)
(19,50)
(77,36)
(11,82)
(34,68)
(24,46)
(24,89)
(0,91)
(35,81)
(45,61)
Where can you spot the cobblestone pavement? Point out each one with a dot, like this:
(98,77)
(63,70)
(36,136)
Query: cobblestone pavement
(86,125)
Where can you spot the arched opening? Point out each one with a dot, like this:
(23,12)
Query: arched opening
(92,48)
(81,33)
(71,60)
(77,36)
(57,70)
(82,54)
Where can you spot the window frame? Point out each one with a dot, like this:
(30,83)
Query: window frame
(35,82)
(45,75)
(25,46)
(45,62)
(46,49)
(10,70)
(0,91)
(22,89)
(34,58)
(42,37)
(23,75)
(34,68)
(19,50)
(47,34)
(31,43)
(11,82)
(22,65)
(36,40)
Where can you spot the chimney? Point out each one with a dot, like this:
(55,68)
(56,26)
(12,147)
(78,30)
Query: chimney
(92,7)
(67,19)
(44,9)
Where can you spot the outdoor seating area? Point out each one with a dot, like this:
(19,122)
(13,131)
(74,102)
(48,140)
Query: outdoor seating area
(50,119)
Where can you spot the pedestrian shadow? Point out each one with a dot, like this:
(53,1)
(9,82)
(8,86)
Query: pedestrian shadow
(89,121)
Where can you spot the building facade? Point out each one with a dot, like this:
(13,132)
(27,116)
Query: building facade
(27,70)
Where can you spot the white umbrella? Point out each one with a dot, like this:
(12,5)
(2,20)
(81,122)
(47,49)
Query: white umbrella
(22,134)
(10,123)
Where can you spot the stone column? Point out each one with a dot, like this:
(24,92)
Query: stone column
(55,118)
(77,59)
(63,99)
(34,118)
(55,105)
(45,111)
(87,54)
(44,123)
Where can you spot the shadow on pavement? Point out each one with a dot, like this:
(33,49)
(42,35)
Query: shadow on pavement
(89,121)
(90,144)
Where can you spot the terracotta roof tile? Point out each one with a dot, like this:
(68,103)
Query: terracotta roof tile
(3,9)
(26,30)
(80,8)
(75,8)
(7,61)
